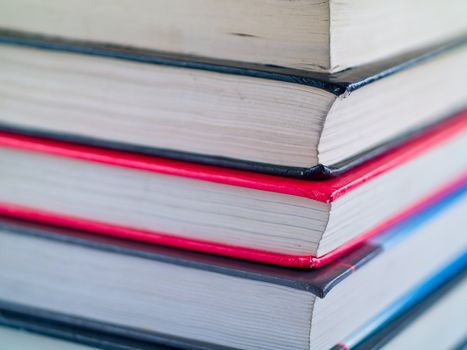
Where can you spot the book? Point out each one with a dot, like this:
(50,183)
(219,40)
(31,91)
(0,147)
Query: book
(440,291)
(421,328)
(198,301)
(308,35)
(271,120)
(418,327)
(444,289)
(228,212)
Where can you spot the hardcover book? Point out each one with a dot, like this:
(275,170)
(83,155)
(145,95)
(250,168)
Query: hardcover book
(265,119)
(430,306)
(309,35)
(26,330)
(196,301)
(420,328)
(234,213)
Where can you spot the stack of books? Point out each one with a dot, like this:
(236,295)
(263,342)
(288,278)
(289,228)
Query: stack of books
(229,174)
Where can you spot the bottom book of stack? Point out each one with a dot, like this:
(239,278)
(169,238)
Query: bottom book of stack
(410,325)
(109,293)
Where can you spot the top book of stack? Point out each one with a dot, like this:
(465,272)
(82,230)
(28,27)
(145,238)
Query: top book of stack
(302,89)
(309,35)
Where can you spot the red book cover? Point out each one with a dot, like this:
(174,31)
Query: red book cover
(324,191)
